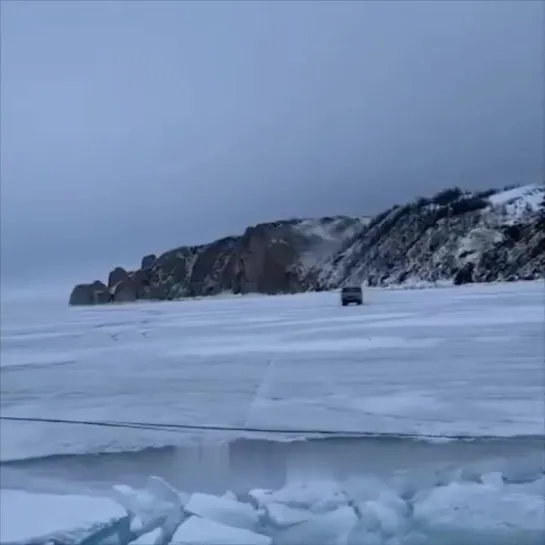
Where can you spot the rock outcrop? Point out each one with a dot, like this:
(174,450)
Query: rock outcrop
(125,291)
(455,236)
(90,294)
(119,274)
(148,261)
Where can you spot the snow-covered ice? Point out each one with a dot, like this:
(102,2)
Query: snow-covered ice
(25,516)
(451,360)
(466,360)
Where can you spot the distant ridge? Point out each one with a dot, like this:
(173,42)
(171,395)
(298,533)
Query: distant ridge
(455,236)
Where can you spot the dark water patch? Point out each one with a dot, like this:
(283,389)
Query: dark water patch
(242,464)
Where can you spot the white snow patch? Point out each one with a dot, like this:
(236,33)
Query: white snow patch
(414,283)
(477,241)
(518,204)
(529,190)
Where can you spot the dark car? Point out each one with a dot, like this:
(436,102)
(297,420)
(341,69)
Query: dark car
(351,294)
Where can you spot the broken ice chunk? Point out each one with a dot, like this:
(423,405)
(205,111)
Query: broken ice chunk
(156,505)
(196,530)
(223,510)
(318,496)
(481,508)
(329,529)
(281,516)
(230,496)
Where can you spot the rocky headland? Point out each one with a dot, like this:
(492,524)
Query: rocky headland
(457,236)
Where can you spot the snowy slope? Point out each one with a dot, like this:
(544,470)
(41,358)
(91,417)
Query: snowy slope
(519,204)
(531,194)
(469,239)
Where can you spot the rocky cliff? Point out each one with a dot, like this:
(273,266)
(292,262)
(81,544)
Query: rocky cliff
(455,236)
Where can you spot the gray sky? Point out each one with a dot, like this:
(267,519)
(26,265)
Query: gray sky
(134,127)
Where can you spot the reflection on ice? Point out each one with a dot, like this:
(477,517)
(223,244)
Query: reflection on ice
(459,508)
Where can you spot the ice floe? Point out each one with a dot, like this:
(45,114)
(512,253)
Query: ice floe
(450,510)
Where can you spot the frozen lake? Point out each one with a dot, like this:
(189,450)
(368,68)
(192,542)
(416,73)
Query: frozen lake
(446,361)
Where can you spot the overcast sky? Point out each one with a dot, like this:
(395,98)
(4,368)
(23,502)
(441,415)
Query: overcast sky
(134,127)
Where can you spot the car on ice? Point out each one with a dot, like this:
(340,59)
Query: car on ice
(351,294)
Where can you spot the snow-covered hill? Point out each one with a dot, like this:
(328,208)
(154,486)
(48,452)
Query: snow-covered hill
(455,236)
(517,204)
(463,238)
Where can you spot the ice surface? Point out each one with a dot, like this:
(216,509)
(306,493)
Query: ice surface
(463,360)
(24,516)
(451,360)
